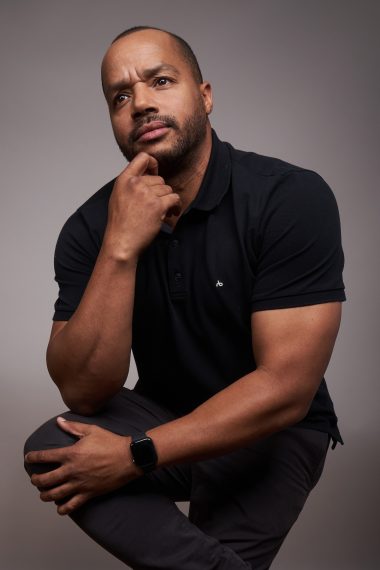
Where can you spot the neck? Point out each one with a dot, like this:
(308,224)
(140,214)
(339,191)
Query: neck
(187,182)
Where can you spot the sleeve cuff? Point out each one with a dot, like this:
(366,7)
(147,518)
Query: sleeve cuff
(299,300)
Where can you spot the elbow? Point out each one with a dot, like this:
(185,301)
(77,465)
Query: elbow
(296,411)
(87,398)
(81,405)
(293,397)
(85,393)
(299,413)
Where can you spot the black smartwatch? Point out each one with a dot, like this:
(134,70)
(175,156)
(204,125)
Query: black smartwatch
(143,452)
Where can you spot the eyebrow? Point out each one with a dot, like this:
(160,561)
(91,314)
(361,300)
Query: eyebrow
(147,74)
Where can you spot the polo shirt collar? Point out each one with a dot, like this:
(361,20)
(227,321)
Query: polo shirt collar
(217,177)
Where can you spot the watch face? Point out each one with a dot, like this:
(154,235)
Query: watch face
(143,452)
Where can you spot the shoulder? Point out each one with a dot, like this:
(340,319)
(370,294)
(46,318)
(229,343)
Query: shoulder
(259,164)
(260,167)
(96,207)
(267,180)
(93,212)
(85,228)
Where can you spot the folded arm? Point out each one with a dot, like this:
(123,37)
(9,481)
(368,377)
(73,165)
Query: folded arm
(88,358)
(292,348)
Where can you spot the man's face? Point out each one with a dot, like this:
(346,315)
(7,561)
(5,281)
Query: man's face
(155,103)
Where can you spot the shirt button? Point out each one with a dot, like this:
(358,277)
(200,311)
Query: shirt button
(174,243)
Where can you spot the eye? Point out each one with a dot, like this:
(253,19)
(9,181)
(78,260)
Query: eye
(162,81)
(121,98)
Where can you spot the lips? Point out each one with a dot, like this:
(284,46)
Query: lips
(151,130)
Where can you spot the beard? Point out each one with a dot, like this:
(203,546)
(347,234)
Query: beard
(181,153)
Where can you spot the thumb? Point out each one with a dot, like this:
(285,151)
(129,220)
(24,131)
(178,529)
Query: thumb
(143,163)
(75,428)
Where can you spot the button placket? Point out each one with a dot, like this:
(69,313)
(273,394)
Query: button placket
(175,273)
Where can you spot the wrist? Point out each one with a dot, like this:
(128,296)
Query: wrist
(143,452)
(133,469)
(119,253)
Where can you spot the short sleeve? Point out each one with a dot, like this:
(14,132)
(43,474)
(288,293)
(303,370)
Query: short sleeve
(298,245)
(74,259)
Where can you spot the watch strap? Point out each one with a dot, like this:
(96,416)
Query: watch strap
(148,459)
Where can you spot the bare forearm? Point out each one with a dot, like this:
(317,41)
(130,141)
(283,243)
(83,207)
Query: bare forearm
(292,348)
(251,408)
(89,358)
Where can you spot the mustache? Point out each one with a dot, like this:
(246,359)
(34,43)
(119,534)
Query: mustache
(169,121)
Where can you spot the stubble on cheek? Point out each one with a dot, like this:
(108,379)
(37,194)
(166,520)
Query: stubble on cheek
(128,143)
(173,149)
(130,147)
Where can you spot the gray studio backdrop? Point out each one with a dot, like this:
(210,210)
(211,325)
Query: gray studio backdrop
(297,79)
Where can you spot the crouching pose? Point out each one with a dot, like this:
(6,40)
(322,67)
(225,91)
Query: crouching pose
(222,271)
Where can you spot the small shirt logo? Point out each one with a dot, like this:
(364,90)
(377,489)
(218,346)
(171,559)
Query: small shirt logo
(219,284)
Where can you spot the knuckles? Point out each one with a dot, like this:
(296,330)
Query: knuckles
(68,508)
(134,181)
(33,457)
(34,479)
(47,497)
(142,156)
(143,182)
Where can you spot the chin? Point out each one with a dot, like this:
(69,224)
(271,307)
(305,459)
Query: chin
(154,148)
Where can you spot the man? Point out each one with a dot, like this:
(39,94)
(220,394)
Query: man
(221,269)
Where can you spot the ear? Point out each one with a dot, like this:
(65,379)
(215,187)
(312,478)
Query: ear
(206,92)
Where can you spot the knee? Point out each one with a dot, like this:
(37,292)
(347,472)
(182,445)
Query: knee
(47,436)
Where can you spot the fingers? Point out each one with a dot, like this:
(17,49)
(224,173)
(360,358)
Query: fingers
(72,504)
(150,180)
(148,183)
(143,163)
(171,204)
(162,190)
(49,479)
(60,454)
(154,184)
(57,494)
(47,456)
(78,429)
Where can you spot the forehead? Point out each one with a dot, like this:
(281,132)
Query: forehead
(140,51)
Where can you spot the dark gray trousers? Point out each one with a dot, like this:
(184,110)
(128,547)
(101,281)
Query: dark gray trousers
(242,504)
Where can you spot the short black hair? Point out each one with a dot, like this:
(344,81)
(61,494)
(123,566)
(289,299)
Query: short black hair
(183,46)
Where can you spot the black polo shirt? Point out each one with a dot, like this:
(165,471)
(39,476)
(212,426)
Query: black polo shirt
(261,234)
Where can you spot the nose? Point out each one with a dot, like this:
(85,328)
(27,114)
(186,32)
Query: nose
(143,101)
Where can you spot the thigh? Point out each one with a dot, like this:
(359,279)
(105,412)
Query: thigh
(249,499)
(140,523)
(126,412)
